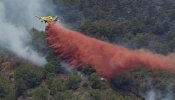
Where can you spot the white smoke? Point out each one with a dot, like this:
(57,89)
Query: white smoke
(154,94)
(17,17)
(66,66)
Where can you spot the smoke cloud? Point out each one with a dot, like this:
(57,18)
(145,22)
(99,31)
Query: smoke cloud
(16,20)
(107,59)
(157,95)
(154,94)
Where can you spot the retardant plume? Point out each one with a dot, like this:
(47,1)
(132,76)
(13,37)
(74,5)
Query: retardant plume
(107,59)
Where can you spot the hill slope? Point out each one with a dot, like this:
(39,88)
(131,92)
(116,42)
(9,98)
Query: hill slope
(134,24)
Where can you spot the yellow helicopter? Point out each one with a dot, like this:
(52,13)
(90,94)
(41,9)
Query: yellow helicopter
(47,19)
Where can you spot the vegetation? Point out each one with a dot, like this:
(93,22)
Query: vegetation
(26,77)
(73,82)
(95,81)
(40,93)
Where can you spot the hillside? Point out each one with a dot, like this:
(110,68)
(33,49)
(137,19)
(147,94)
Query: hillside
(134,24)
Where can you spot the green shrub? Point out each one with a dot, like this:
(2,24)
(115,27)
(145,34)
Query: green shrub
(50,68)
(57,86)
(63,96)
(87,70)
(3,89)
(95,95)
(95,81)
(26,77)
(40,93)
(73,81)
